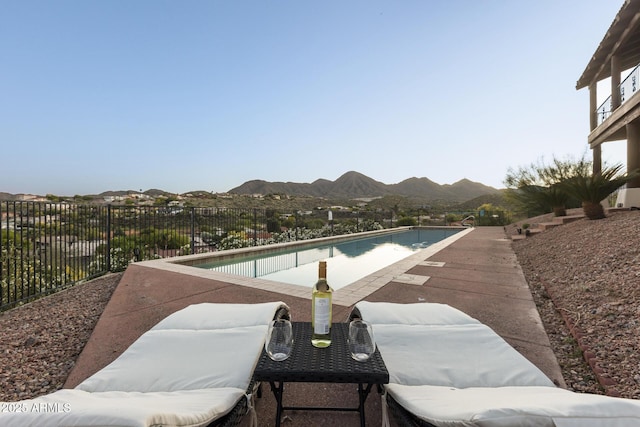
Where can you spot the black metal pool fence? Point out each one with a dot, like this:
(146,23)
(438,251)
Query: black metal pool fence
(47,247)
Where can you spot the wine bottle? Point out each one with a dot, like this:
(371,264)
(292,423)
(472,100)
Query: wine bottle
(321,309)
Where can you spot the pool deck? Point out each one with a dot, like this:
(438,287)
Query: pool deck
(477,273)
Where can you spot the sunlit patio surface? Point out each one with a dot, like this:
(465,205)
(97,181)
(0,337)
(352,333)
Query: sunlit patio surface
(478,273)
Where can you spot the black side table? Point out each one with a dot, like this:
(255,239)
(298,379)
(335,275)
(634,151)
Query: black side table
(322,365)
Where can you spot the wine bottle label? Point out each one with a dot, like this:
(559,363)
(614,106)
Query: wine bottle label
(322,314)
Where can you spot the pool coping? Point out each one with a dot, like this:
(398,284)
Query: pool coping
(345,296)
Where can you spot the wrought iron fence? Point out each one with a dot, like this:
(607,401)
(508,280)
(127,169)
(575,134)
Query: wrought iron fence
(47,247)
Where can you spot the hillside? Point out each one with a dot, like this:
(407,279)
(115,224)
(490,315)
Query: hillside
(343,191)
(354,185)
(585,274)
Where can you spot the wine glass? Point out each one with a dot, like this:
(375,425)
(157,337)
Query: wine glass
(279,341)
(361,341)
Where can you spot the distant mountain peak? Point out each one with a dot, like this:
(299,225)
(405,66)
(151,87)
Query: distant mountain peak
(354,185)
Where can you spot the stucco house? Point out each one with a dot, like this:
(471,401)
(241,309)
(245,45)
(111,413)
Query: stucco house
(618,118)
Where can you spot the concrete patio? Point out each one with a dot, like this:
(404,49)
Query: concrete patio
(478,274)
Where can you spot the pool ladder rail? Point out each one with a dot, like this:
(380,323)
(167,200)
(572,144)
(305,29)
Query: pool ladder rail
(464,222)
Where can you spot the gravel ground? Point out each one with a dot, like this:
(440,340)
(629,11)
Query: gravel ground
(40,341)
(584,277)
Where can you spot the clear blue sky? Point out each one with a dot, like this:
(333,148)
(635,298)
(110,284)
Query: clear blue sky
(205,95)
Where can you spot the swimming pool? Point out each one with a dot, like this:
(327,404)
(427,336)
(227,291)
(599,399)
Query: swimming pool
(183,272)
(347,261)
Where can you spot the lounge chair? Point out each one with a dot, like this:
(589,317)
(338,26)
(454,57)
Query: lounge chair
(448,369)
(194,368)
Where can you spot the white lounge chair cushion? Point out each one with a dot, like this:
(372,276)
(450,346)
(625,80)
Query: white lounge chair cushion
(180,359)
(206,345)
(436,344)
(413,314)
(69,408)
(452,372)
(456,356)
(188,370)
(514,407)
(220,316)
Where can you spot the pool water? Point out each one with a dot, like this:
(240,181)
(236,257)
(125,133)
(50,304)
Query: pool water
(347,261)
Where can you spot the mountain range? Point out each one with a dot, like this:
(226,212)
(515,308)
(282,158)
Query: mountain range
(351,185)
(354,185)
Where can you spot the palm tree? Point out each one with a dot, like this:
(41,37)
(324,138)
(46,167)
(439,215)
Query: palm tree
(551,197)
(592,188)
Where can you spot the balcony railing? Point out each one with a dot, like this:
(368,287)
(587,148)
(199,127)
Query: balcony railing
(628,88)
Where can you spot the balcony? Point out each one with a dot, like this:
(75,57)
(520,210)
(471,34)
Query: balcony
(628,88)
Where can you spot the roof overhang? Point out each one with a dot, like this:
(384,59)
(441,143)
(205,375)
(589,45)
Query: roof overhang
(622,39)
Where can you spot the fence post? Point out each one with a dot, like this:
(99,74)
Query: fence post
(193,230)
(255,227)
(109,237)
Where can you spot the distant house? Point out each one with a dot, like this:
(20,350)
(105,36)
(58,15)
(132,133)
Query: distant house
(70,245)
(30,198)
(83,248)
(618,118)
(111,199)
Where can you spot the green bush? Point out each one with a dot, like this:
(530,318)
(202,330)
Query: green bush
(591,189)
(407,221)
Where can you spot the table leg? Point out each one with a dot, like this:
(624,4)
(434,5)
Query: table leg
(362,396)
(277,388)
